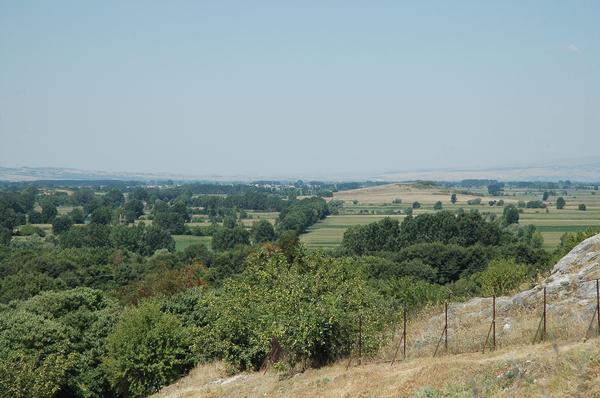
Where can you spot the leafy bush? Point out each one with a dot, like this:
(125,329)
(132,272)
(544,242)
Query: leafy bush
(146,350)
(28,230)
(413,292)
(228,238)
(262,231)
(569,240)
(310,308)
(502,276)
(53,343)
(536,204)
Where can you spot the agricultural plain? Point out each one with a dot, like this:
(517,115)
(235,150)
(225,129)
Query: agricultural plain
(366,205)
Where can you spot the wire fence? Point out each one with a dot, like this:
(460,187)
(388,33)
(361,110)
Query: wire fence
(488,341)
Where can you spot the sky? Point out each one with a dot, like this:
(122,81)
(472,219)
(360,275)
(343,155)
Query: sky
(292,87)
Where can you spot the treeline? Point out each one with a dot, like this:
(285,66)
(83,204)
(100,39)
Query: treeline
(445,248)
(249,201)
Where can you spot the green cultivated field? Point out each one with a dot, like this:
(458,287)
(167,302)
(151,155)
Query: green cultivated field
(183,241)
(328,233)
(371,207)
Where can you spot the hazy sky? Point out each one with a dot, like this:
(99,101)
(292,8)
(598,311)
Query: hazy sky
(275,87)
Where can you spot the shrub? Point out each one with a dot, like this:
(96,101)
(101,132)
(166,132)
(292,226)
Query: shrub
(535,204)
(28,230)
(310,309)
(571,239)
(510,215)
(413,292)
(262,231)
(502,276)
(582,207)
(146,350)
(228,238)
(61,224)
(53,343)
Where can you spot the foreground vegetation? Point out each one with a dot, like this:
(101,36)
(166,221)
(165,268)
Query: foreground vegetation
(120,295)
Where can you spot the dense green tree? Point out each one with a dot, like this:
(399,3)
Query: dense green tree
(61,224)
(495,188)
(113,198)
(230,222)
(560,203)
(156,238)
(140,193)
(378,236)
(34,217)
(228,238)
(171,218)
(416,205)
(5,236)
(546,195)
(57,339)
(133,209)
(262,231)
(92,235)
(84,197)
(147,350)
(77,216)
(437,205)
(102,215)
(501,277)
(301,214)
(510,215)
(474,202)
(582,207)
(535,204)
(48,212)
(453,198)
(309,308)
(289,242)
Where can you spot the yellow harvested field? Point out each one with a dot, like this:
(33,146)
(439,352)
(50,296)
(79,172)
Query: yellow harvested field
(407,192)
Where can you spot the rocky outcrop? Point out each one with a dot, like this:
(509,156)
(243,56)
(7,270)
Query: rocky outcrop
(570,289)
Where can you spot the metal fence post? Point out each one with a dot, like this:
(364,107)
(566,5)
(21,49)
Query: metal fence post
(598,306)
(404,334)
(494,321)
(446,327)
(544,330)
(360,339)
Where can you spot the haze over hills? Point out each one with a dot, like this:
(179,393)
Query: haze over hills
(584,170)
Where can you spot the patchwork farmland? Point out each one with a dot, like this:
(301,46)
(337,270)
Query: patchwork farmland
(363,206)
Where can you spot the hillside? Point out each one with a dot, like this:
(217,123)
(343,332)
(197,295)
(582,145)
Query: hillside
(566,364)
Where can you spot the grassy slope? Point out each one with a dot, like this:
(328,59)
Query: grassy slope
(531,370)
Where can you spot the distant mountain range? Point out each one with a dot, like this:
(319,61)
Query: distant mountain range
(579,170)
